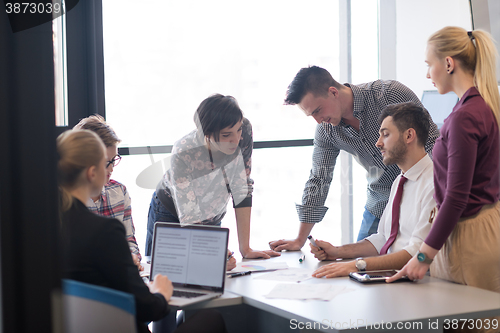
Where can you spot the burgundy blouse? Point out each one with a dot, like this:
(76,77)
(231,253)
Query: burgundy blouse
(466,165)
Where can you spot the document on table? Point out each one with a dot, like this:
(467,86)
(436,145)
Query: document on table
(287,275)
(146,270)
(259,265)
(323,291)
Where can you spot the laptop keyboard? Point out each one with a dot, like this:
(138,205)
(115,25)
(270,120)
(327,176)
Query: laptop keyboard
(186,294)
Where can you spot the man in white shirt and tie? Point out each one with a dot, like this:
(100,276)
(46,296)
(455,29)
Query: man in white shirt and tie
(406,220)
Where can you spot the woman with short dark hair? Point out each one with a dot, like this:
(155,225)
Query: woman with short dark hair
(208,166)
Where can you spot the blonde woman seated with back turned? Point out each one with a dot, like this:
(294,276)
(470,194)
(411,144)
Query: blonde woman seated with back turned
(95,250)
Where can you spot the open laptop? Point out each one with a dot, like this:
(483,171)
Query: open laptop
(193,258)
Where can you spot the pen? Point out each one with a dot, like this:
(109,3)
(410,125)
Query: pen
(240,274)
(313,242)
(230,256)
(302,258)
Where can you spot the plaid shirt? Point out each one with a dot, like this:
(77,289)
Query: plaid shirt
(115,202)
(369,101)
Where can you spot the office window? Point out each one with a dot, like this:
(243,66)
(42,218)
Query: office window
(60,80)
(163,58)
(276,191)
(412,35)
(364,32)
(175,54)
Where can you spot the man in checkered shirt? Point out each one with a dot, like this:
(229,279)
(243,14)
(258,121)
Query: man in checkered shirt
(347,120)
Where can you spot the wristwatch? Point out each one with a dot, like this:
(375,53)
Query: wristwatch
(360,264)
(423,258)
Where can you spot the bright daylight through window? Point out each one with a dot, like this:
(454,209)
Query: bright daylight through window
(163,59)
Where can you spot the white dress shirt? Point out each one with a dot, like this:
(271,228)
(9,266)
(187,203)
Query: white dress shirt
(416,206)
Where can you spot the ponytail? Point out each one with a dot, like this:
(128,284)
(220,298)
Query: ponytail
(66,200)
(78,150)
(485,71)
(476,54)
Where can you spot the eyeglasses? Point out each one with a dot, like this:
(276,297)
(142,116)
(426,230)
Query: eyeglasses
(115,160)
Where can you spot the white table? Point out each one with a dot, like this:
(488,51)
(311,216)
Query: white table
(418,307)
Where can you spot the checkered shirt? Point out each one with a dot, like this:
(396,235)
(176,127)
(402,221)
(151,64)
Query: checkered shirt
(369,101)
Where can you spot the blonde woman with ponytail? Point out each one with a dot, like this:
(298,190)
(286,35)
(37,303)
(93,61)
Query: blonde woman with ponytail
(95,250)
(81,161)
(464,242)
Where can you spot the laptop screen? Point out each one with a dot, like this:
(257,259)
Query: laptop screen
(190,255)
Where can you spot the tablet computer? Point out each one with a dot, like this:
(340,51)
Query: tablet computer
(375,276)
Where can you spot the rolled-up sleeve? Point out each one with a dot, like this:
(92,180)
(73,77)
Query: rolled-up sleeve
(379,239)
(423,226)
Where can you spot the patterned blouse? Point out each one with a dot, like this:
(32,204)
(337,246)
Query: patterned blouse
(198,188)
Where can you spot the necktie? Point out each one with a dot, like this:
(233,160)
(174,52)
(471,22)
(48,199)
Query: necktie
(395,216)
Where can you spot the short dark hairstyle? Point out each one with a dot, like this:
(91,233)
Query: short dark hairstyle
(216,113)
(408,115)
(309,79)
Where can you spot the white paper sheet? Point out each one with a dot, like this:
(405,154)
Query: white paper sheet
(260,265)
(323,291)
(287,275)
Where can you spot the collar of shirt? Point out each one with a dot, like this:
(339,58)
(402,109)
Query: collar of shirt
(101,198)
(468,94)
(358,100)
(103,193)
(417,169)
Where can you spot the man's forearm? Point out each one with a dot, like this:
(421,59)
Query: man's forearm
(362,248)
(304,231)
(388,261)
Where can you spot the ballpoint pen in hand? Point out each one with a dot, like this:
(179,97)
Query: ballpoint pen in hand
(313,242)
